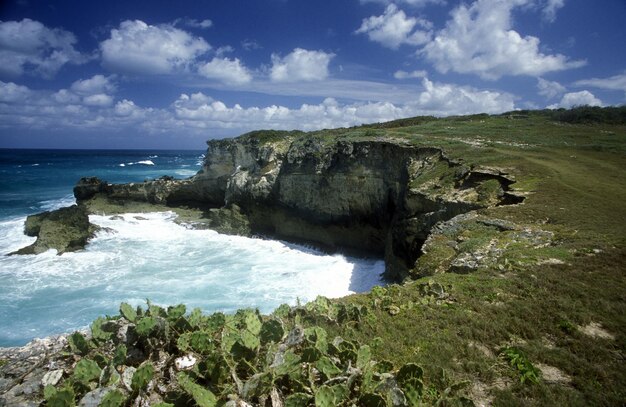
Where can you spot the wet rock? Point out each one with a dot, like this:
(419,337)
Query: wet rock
(66,229)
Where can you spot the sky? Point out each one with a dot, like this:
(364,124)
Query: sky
(173,74)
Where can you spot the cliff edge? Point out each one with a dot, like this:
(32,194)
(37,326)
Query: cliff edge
(379,196)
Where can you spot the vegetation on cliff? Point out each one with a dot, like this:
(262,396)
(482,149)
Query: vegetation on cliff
(510,305)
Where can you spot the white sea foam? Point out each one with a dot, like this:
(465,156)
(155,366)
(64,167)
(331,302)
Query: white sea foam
(185,173)
(141,256)
(142,162)
(54,204)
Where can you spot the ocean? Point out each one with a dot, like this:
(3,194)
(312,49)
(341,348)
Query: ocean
(142,256)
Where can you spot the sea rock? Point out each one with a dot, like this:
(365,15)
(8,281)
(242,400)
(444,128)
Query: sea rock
(66,229)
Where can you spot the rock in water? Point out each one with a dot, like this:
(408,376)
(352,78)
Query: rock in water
(66,230)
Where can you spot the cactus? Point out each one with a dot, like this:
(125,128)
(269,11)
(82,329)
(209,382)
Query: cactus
(78,343)
(128,312)
(311,355)
(119,358)
(155,310)
(86,371)
(215,369)
(196,318)
(109,376)
(363,356)
(282,311)
(331,396)
(271,331)
(250,340)
(318,337)
(409,371)
(327,367)
(175,312)
(298,400)
(202,396)
(409,378)
(201,342)
(59,398)
(97,333)
(114,398)
(258,384)
(145,326)
(286,363)
(142,377)
(372,400)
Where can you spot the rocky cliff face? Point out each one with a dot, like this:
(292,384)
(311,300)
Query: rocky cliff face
(379,196)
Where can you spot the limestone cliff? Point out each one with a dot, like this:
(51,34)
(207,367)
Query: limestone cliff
(379,196)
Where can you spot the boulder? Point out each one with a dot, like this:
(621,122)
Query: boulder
(66,230)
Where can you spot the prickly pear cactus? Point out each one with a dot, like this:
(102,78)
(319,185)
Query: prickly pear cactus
(128,312)
(142,377)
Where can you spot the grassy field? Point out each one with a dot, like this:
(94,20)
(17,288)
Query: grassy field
(544,326)
(574,177)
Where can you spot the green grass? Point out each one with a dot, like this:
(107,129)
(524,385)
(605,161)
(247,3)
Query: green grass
(574,177)
(531,300)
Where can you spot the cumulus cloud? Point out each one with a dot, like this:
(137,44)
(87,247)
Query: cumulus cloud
(31,47)
(93,85)
(549,89)
(616,82)
(201,111)
(582,98)
(229,71)
(550,9)
(479,40)
(408,75)
(138,47)
(300,65)
(99,99)
(197,112)
(11,92)
(193,23)
(394,28)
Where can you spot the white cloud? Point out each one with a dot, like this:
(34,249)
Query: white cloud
(29,46)
(193,23)
(11,92)
(549,89)
(408,75)
(300,65)
(441,99)
(141,48)
(582,98)
(550,9)
(65,97)
(191,115)
(99,99)
(616,82)
(479,40)
(229,71)
(93,85)
(394,28)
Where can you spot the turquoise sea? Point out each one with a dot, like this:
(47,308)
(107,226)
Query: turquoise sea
(145,256)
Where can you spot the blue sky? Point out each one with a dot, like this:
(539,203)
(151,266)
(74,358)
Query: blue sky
(165,74)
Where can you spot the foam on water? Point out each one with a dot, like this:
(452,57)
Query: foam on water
(139,256)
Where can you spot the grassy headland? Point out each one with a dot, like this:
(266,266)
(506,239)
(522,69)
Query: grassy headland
(542,324)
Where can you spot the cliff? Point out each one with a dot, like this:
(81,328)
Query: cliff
(379,196)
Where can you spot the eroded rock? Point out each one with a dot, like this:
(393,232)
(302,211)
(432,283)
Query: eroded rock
(66,230)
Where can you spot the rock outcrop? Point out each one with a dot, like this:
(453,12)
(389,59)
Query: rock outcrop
(66,229)
(380,196)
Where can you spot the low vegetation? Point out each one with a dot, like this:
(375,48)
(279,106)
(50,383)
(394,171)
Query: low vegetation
(537,326)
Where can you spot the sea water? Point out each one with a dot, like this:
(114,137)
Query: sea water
(142,256)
